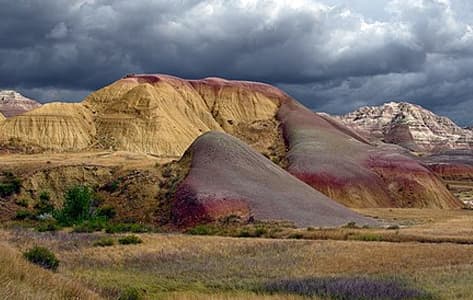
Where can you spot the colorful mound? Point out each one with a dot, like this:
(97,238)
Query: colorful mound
(344,167)
(227,178)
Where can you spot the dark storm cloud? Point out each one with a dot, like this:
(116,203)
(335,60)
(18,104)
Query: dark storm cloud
(329,56)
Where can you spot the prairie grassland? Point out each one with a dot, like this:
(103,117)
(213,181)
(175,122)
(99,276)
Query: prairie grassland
(178,266)
(21,280)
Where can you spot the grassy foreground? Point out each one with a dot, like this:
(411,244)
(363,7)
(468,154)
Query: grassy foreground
(177,266)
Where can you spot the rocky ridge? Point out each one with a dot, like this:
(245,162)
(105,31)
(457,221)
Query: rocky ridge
(409,126)
(13,103)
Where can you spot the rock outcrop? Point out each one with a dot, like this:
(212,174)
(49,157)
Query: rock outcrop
(13,103)
(228,178)
(410,126)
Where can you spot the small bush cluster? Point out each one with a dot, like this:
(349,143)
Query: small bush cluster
(24,214)
(130,294)
(126,227)
(48,226)
(10,185)
(104,242)
(43,257)
(130,240)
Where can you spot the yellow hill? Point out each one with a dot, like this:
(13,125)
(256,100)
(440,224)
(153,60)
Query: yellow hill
(55,126)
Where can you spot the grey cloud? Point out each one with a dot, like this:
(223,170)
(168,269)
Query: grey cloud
(327,54)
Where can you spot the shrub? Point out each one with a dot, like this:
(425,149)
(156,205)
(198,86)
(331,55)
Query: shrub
(203,229)
(22,202)
(125,227)
(104,242)
(77,206)
(296,235)
(112,187)
(44,205)
(130,294)
(24,214)
(351,225)
(130,240)
(11,185)
(244,233)
(49,226)
(260,231)
(106,211)
(89,226)
(43,257)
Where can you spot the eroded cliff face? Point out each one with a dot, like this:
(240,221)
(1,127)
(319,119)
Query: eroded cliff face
(13,103)
(54,126)
(410,126)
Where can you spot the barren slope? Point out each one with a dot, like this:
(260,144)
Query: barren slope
(229,178)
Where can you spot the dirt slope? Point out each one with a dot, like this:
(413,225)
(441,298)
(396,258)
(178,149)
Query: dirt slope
(229,178)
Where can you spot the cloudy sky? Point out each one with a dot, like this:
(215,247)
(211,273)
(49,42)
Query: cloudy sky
(332,55)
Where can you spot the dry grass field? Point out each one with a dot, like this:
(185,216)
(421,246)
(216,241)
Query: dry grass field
(179,266)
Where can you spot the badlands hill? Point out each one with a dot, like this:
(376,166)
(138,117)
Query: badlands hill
(409,126)
(227,177)
(162,115)
(13,103)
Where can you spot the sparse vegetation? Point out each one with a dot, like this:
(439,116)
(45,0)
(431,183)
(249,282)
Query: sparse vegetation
(126,227)
(130,240)
(48,226)
(9,184)
(44,205)
(24,214)
(43,257)
(106,211)
(104,242)
(130,294)
(22,202)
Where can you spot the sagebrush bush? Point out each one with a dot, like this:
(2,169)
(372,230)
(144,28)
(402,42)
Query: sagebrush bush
(43,257)
(106,211)
(130,240)
(89,226)
(104,242)
(48,226)
(130,294)
(10,185)
(24,214)
(126,227)
(44,205)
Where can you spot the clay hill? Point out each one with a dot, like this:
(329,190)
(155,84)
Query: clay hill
(409,126)
(227,177)
(13,103)
(163,115)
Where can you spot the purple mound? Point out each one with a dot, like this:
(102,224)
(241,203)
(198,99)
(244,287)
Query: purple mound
(227,177)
